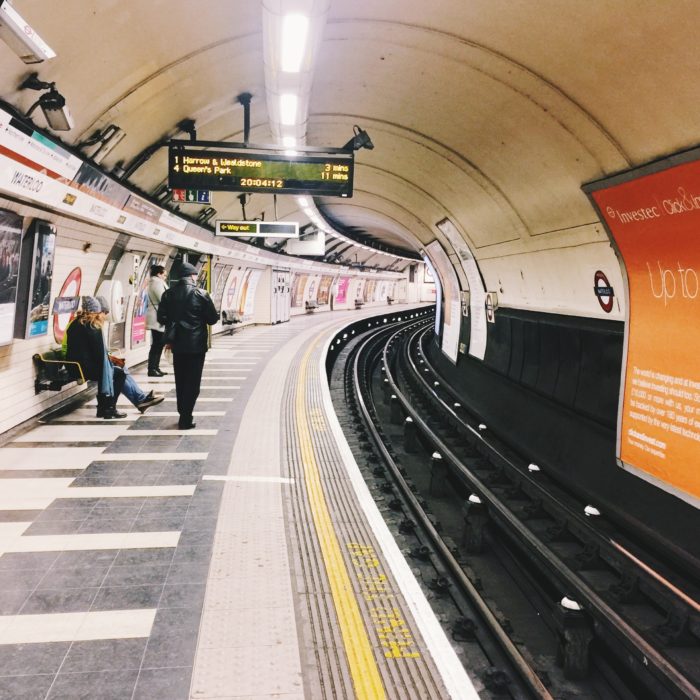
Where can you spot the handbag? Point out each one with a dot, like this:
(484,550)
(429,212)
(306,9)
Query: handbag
(170,333)
(117,361)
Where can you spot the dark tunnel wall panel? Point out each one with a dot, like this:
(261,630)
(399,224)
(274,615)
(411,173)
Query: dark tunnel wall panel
(517,350)
(499,345)
(550,363)
(600,366)
(567,377)
(574,362)
(531,354)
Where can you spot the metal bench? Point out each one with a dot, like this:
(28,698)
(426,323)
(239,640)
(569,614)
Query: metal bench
(229,317)
(53,372)
(311,305)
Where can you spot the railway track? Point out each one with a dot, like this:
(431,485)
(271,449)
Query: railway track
(546,597)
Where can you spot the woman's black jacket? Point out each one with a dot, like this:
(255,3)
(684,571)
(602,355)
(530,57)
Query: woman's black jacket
(87,346)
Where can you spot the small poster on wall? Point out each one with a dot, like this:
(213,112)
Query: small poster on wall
(10,246)
(323,289)
(42,275)
(246,301)
(298,284)
(230,299)
(64,308)
(343,284)
(138,320)
(34,288)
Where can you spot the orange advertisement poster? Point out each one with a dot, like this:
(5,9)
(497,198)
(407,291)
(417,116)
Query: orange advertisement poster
(654,221)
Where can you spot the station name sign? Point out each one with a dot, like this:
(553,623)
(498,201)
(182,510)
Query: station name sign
(257,229)
(225,167)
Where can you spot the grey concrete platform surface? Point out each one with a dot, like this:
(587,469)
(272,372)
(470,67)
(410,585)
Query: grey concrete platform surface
(242,559)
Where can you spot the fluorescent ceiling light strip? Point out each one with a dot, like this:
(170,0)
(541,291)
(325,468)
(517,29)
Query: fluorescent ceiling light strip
(295,28)
(288,109)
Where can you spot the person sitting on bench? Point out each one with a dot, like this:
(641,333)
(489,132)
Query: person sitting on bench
(131,389)
(85,344)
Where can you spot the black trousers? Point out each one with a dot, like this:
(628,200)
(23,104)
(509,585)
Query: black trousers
(156,350)
(188,376)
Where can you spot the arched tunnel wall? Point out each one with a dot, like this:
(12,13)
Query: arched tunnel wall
(549,387)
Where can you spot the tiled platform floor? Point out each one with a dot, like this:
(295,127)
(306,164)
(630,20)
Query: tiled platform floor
(138,561)
(106,530)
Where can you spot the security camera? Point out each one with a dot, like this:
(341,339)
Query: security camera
(52,103)
(20,37)
(58,117)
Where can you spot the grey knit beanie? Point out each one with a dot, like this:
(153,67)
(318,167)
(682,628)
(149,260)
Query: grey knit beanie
(91,305)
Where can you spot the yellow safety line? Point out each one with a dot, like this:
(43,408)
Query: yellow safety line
(363,666)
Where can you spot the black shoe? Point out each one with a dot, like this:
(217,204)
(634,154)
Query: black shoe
(186,426)
(151,400)
(113,413)
(155,373)
(162,374)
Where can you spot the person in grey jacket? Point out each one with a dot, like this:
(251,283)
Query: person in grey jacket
(186,311)
(156,287)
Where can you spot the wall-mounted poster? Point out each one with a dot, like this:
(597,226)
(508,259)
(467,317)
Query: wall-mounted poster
(359,289)
(34,288)
(63,314)
(323,289)
(298,284)
(10,246)
(220,278)
(450,290)
(652,215)
(311,289)
(477,290)
(138,318)
(246,300)
(229,301)
(343,284)
(204,275)
(42,275)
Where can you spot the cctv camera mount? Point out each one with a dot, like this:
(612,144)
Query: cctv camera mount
(32,82)
(51,102)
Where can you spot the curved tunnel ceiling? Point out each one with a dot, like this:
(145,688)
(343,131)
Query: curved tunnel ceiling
(490,113)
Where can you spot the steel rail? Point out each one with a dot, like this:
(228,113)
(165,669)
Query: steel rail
(636,644)
(525,671)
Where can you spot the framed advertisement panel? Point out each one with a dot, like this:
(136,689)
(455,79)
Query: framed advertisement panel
(450,290)
(477,290)
(342,293)
(34,289)
(652,216)
(10,247)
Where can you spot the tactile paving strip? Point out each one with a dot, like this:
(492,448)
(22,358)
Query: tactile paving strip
(406,670)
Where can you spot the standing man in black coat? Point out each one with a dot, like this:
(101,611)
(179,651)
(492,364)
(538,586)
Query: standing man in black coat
(185,311)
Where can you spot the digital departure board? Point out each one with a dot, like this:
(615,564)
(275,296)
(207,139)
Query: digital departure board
(238,168)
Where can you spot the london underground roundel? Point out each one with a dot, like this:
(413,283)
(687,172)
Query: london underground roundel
(70,288)
(603,291)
